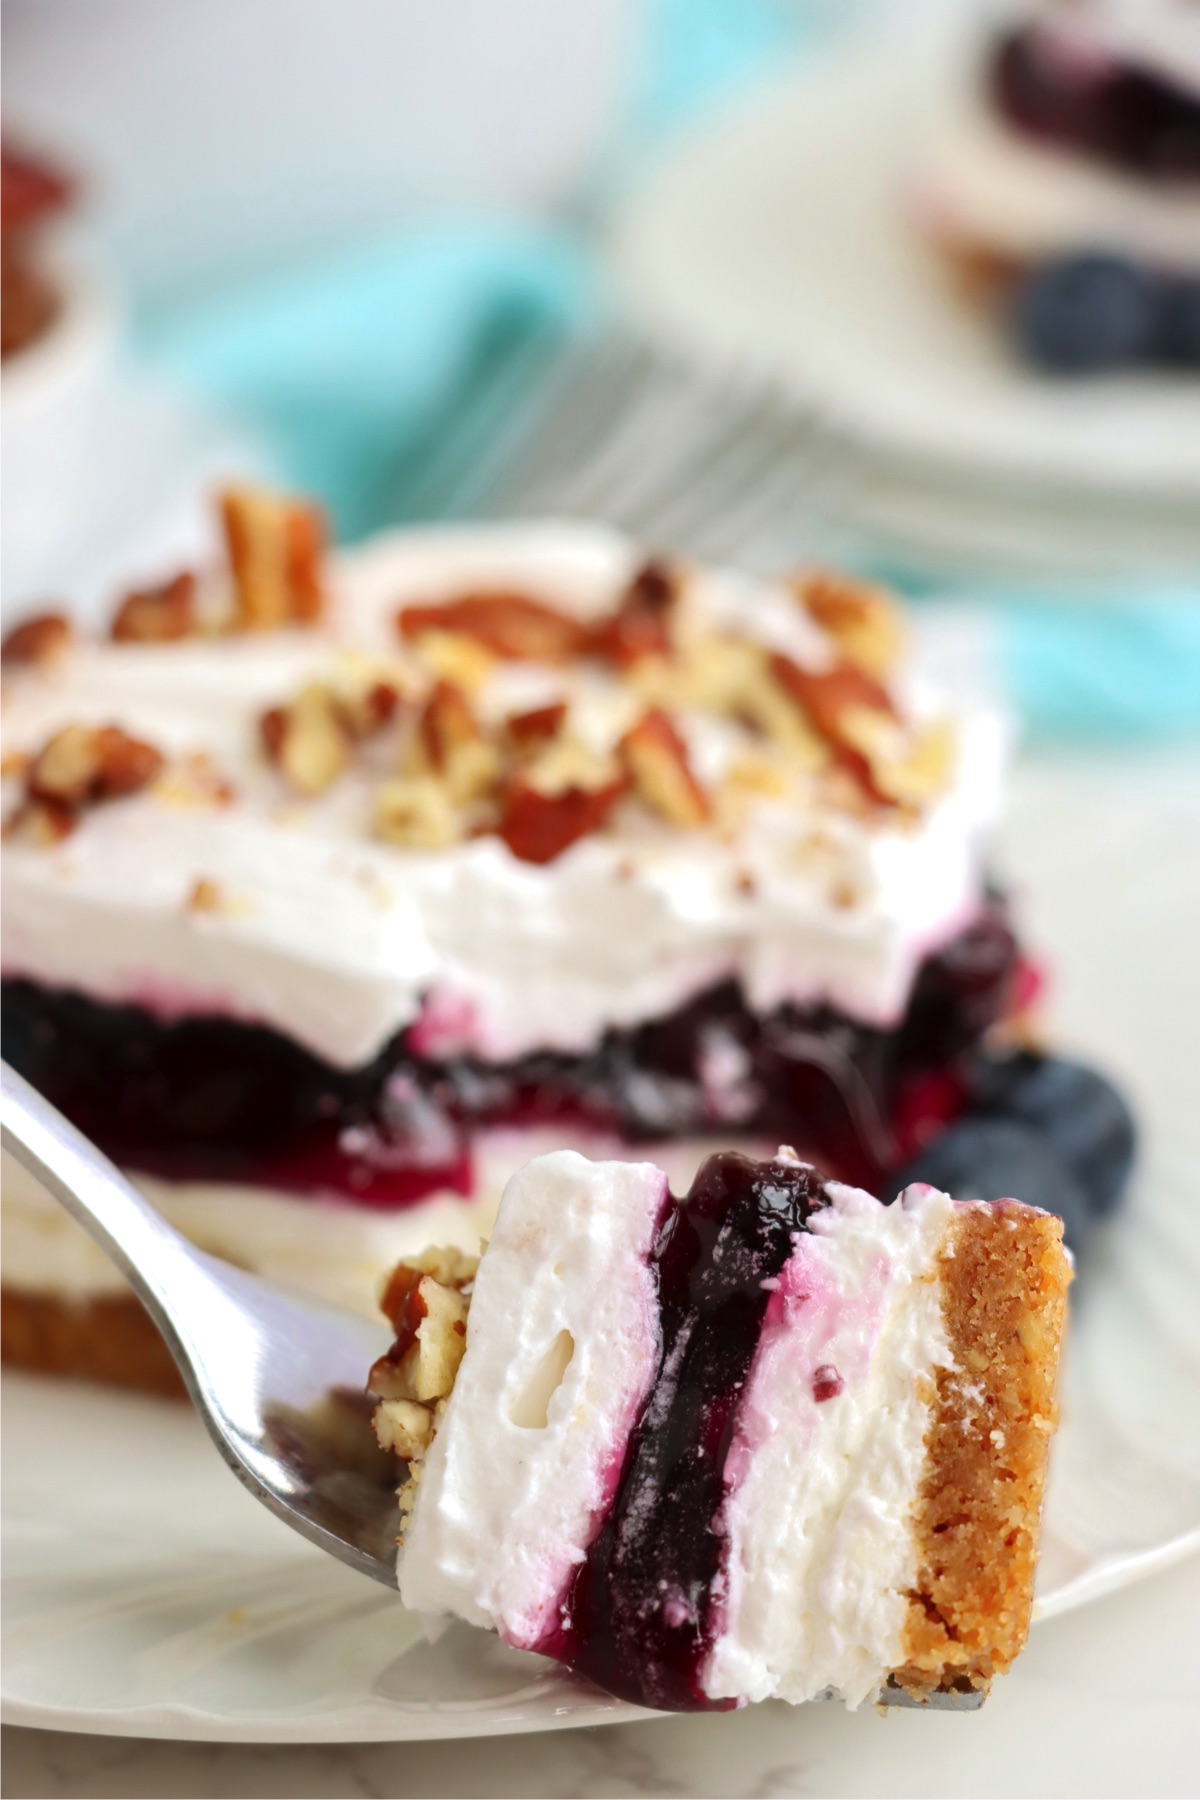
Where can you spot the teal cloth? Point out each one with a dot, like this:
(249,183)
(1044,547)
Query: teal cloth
(340,368)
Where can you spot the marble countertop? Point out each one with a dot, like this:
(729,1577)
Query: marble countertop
(1106,1701)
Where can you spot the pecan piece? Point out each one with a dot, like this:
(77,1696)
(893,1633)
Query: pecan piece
(276,548)
(537,826)
(157,615)
(370,709)
(511,626)
(37,640)
(657,760)
(308,740)
(82,764)
(451,745)
(862,620)
(414,813)
(40,823)
(641,625)
(534,729)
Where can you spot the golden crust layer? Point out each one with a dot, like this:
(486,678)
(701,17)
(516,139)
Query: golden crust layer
(110,1339)
(1004,1276)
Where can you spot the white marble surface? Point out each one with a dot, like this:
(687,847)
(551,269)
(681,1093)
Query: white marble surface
(1106,1701)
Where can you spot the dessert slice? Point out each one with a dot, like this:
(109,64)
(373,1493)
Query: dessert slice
(771,1439)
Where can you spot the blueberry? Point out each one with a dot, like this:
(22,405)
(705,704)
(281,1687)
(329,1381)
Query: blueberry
(1001,1159)
(1085,313)
(1178,339)
(1081,1113)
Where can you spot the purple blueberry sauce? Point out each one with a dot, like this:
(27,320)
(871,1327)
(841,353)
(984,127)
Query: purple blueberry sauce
(1135,119)
(637,1619)
(215,1099)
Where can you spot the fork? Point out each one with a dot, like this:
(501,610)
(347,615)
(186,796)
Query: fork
(277,1379)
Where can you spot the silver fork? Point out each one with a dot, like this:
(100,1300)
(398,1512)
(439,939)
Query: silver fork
(277,1380)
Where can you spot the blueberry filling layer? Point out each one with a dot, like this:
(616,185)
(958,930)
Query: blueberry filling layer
(212,1099)
(1134,119)
(637,1620)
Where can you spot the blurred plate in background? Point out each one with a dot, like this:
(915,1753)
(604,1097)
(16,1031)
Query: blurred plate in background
(778,238)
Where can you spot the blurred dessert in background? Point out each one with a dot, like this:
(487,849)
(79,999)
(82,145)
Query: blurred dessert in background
(33,194)
(1062,182)
(332,893)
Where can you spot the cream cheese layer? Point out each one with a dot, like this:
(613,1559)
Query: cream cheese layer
(828,1456)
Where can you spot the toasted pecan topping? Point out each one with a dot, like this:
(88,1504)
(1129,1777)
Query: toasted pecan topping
(83,764)
(537,826)
(657,760)
(158,615)
(510,626)
(204,896)
(307,740)
(863,620)
(531,730)
(450,744)
(370,709)
(641,625)
(414,812)
(37,640)
(40,823)
(276,547)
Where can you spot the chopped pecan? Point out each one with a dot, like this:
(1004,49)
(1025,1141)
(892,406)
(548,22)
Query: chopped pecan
(276,548)
(157,615)
(657,760)
(404,1427)
(368,710)
(82,764)
(511,626)
(825,696)
(450,743)
(414,812)
(307,740)
(537,826)
(641,625)
(38,640)
(863,620)
(204,896)
(431,1337)
(532,730)
(40,823)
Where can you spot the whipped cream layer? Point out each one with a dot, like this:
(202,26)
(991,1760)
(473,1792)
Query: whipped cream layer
(829,1454)
(339,941)
(562,1349)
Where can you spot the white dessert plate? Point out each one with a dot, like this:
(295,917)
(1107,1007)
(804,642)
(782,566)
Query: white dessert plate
(778,237)
(145,1593)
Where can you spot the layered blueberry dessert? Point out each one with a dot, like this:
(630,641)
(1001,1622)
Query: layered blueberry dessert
(770,1440)
(1062,182)
(336,888)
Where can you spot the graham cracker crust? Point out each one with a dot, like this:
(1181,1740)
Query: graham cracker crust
(1004,1276)
(110,1339)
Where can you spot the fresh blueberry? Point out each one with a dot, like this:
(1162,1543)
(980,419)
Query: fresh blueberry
(1081,1113)
(1001,1159)
(1086,313)
(1179,321)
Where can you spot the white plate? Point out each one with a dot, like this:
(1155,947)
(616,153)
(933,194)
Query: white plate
(778,237)
(146,1593)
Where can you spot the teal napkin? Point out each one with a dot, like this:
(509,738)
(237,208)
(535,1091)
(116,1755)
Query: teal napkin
(340,369)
